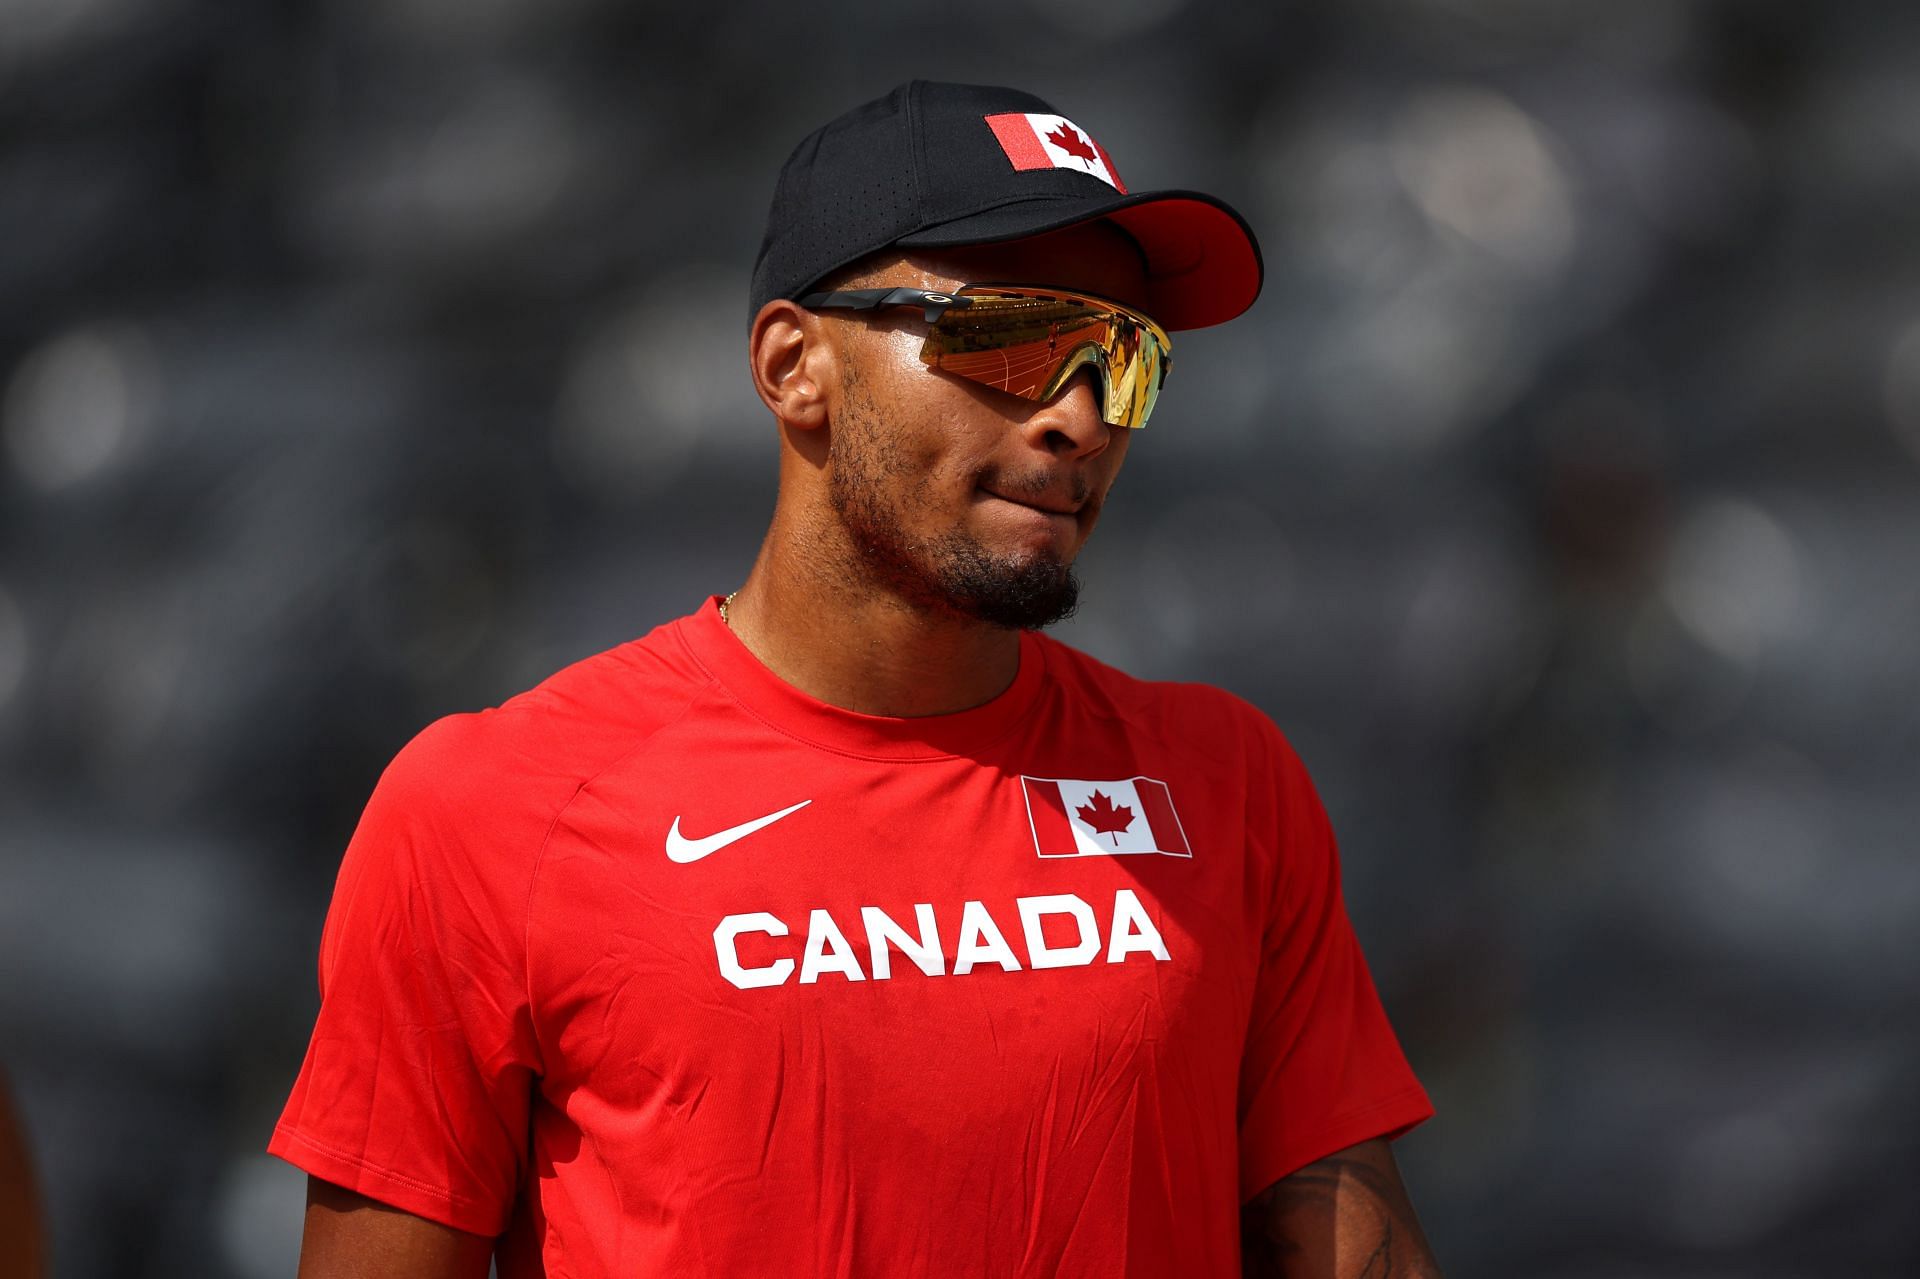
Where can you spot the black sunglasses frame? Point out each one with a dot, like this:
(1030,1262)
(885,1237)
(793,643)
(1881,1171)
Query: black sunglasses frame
(932,305)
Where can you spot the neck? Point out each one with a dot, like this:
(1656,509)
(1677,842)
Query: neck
(854,645)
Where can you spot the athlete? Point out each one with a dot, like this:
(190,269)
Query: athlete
(849,926)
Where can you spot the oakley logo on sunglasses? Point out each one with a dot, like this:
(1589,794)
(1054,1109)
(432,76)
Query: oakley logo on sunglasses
(1030,342)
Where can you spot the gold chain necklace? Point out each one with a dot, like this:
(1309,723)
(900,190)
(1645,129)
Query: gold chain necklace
(723,608)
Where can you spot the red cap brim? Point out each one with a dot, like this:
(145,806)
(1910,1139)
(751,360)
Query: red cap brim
(1203,263)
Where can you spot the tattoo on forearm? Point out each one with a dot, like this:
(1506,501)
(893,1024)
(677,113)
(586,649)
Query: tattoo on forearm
(1343,1217)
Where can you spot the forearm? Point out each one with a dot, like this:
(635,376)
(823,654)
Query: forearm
(1345,1217)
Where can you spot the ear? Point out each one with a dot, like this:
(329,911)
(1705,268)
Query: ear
(792,363)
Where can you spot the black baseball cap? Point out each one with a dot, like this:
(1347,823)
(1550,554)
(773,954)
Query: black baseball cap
(934,165)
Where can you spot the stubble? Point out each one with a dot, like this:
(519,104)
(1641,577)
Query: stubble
(873,479)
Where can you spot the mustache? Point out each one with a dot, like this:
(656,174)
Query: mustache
(1076,487)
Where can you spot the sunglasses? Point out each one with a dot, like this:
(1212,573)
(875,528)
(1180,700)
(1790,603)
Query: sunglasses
(1031,341)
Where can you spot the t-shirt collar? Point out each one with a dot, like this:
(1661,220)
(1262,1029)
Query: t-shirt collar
(782,706)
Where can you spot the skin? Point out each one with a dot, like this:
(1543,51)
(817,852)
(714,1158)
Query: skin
(1018,480)
(1346,1216)
(890,474)
(349,1236)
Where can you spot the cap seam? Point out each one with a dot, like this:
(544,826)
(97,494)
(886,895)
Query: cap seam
(916,147)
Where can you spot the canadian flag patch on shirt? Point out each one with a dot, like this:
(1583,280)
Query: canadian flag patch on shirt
(1074,818)
(1040,141)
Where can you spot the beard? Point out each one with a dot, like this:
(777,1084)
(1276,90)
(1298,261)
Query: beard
(872,480)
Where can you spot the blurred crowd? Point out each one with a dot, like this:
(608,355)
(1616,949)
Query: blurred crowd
(367,360)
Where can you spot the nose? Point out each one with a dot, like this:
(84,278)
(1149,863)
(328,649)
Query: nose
(1069,426)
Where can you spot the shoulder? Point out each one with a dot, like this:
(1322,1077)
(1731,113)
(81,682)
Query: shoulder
(509,769)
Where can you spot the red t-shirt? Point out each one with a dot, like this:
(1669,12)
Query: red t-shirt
(665,967)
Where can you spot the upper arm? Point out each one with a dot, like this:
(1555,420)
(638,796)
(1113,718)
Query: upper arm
(1322,1069)
(418,1079)
(1344,1217)
(349,1236)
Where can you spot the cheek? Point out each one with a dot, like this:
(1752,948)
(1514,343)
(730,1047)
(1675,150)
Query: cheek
(890,359)
(1117,453)
(1104,472)
(900,347)
(930,420)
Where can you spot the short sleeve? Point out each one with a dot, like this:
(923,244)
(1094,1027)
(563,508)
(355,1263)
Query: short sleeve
(416,1086)
(1322,1069)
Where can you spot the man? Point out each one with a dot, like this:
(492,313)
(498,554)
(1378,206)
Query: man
(848,926)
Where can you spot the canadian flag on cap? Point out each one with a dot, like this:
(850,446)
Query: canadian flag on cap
(1040,141)
(1074,818)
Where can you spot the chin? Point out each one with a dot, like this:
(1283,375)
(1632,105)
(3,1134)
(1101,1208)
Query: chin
(1021,592)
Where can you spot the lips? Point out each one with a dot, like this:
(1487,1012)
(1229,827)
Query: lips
(1050,500)
(1043,507)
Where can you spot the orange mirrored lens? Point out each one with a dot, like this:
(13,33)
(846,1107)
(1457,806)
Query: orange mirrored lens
(1031,342)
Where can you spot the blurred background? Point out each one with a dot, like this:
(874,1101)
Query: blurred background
(367,360)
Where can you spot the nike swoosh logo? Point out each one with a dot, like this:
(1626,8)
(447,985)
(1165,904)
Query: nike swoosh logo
(684,850)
